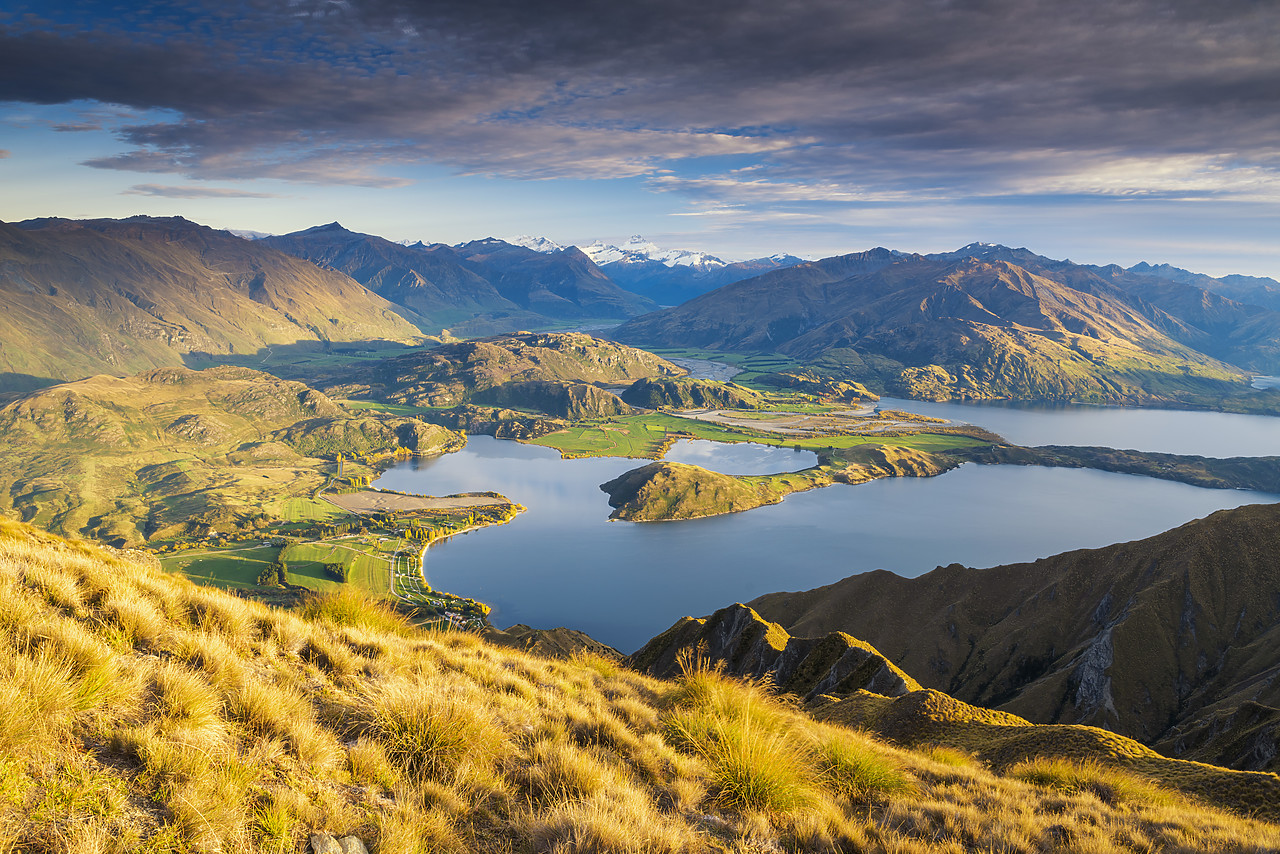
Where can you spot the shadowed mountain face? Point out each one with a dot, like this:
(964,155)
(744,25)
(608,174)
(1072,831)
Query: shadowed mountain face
(119,296)
(432,284)
(564,284)
(480,288)
(1006,325)
(1156,639)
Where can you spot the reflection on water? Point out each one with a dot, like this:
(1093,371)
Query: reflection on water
(1205,434)
(739,458)
(563,563)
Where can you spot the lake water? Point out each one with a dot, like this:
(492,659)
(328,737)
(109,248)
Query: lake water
(1206,434)
(563,563)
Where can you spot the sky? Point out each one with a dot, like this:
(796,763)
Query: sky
(1111,131)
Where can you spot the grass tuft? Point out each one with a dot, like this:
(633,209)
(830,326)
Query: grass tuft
(853,767)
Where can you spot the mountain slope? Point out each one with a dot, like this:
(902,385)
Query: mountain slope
(1255,290)
(432,283)
(564,284)
(944,328)
(84,297)
(1188,307)
(452,374)
(1142,638)
(146,715)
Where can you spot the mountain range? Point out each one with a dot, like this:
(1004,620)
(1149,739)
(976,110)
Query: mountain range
(982,322)
(482,287)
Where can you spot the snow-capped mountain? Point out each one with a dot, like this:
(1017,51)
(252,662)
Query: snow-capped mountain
(537,244)
(637,249)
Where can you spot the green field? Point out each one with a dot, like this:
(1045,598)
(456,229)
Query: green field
(233,566)
(310,510)
(642,436)
(367,562)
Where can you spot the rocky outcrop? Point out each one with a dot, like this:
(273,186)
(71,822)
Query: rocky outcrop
(747,645)
(496,421)
(683,393)
(559,643)
(575,401)
(1245,737)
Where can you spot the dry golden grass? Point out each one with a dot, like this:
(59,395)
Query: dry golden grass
(144,714)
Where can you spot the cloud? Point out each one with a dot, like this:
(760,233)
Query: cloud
(4,152)
(194,192)
(841,101)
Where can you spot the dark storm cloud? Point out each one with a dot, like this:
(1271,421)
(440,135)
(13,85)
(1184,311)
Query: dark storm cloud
(937,96)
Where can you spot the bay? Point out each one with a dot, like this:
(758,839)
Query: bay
(562,562)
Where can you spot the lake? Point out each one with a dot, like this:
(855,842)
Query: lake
(562,562)
(1205,434)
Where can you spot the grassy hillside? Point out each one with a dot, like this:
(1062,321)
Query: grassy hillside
(145,714)
(120,296)
(173,452)
(1149,638)
(683,393)
(452,374)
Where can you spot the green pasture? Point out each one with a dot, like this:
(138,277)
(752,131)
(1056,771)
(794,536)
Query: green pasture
(310,510)
(389,408)
(232,566)
(367,563)
(641,436)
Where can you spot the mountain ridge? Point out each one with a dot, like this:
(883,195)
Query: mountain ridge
(79,297)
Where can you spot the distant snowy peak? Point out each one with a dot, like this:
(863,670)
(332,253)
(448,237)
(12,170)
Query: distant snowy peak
(537,244)
(637,249)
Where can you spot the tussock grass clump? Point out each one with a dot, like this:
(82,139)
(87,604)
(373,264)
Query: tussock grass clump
(429,733)
(142,714)
(853,767)
(349,607)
